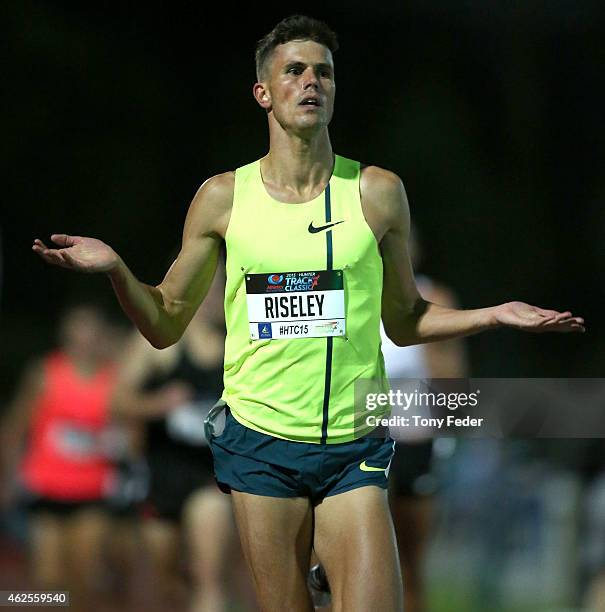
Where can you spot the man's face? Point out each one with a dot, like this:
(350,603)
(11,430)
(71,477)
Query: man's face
(300,85)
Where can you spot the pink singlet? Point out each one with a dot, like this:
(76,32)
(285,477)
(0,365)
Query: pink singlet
(64,459)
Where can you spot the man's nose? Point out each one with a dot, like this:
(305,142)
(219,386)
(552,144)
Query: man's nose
(310,79)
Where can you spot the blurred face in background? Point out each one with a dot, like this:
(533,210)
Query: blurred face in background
(81,332)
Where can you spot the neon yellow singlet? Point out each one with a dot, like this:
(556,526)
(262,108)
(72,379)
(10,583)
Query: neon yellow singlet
(301,389)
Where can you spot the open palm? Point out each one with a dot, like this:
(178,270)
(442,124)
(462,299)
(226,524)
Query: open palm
(531,318)
(77,253)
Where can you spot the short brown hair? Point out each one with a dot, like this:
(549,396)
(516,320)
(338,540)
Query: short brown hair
(295,27)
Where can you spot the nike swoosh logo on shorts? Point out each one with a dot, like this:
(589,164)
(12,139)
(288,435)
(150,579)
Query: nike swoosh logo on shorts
(314,230)
(368,468)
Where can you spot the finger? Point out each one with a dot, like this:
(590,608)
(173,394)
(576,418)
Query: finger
(41,249)
(53,256)
(571,327)
(564,315)
(570,320)
(38,245)
(49,257)
(64,240)
(554,314)
(541,315)
(553,317)
(569,323)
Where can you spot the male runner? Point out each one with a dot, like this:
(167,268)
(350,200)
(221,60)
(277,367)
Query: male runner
(316,248)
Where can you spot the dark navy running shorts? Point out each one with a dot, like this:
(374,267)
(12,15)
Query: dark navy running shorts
(252,462)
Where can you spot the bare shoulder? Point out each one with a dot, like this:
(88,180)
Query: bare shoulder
(383,200)
(210,209)
(374,177)
(218,187)
(36,368)
(32,380)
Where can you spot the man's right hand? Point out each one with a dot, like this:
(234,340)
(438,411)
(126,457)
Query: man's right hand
(78,253)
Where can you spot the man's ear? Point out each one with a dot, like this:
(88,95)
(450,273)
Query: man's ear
(262,95)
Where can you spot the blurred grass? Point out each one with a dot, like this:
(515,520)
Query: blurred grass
(452,597)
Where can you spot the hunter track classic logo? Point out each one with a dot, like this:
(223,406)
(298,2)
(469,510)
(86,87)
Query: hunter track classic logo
(275,279)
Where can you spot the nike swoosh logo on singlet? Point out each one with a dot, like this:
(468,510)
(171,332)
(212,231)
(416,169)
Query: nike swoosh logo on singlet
(313,230)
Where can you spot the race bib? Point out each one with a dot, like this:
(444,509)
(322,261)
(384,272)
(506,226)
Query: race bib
(296,304)
(74,442)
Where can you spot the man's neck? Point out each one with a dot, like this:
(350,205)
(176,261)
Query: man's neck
(295,167)
(85,364)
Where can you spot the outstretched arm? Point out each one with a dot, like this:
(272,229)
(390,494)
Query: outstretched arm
(160,312)
(409,319)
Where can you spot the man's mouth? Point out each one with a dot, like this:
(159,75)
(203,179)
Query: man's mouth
(309,102)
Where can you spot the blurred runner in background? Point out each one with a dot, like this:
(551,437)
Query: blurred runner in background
(171,391)
(411,478)
(123,549)
(54,460)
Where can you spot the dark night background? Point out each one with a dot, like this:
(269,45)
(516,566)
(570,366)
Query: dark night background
(492,116)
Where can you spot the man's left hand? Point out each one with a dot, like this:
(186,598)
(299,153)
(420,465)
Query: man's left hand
(533,319)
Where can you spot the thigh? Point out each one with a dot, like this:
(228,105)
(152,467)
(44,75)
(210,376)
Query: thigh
(46,546)
(85,536)
(161,542)
(208,530)
(163,548)
(276,536)
(355,541)
(412,516)
(85,531)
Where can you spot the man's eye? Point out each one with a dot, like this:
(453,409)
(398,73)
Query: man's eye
(295,70)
